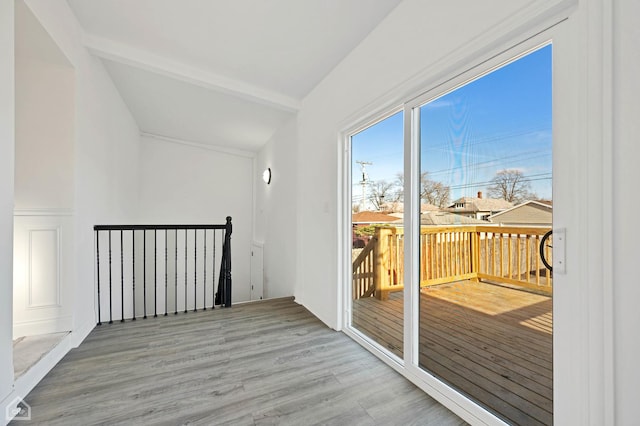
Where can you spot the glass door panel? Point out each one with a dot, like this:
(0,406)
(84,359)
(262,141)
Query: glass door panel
(485,298)
(377,252)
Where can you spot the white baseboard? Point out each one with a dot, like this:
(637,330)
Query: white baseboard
(36,373)
(42,326)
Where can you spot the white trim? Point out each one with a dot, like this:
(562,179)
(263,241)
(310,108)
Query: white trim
(608,388)
(345,216)
(476,69)
(526,23)
(412,223)
(80,333)
(41,326)
(208,147)
(598,286)
(30,379)
(142,59)
(43,211)
(343,222)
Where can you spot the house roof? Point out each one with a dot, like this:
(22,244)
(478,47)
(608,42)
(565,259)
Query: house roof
(474,204)
(545,202)
(426,207)
(372,217)
(447,218)
(530,212)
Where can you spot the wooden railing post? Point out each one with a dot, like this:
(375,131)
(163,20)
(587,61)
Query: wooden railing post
(475,254)
(381,263)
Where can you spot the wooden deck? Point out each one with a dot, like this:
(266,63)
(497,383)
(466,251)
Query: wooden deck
(490,342)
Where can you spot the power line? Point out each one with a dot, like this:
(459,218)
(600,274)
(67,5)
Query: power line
(482,184)
(488,163)
(489,138)
(530,178)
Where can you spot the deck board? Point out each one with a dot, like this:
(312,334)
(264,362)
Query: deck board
(493,343)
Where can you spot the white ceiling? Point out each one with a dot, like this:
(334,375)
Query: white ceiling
(222,72)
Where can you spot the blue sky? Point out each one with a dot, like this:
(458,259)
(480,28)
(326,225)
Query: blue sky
(501,120)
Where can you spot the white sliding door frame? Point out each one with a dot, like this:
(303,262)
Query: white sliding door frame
(583,373)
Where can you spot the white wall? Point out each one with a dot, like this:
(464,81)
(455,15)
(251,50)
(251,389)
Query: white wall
(626,204)
(275,210)
(415,36)
(6,196)
(187,184)
(105,153)
(45,118)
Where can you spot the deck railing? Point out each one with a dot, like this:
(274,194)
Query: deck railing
(506,255)
(146,270)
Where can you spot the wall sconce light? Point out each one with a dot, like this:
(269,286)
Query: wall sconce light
(266,176)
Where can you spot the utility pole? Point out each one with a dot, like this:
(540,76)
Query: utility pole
(363,182)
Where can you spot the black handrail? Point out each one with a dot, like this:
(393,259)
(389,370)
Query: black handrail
(158,227)
(223,297)
(128,283)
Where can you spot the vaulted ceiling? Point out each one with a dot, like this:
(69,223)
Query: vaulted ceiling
(222,72)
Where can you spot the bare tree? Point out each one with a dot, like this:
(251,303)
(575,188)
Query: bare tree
(399,183)
(434,192)
(382,192)
(511,185)
(431,191)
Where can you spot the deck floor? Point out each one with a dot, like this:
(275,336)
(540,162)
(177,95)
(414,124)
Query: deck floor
(492,343)
(263,363)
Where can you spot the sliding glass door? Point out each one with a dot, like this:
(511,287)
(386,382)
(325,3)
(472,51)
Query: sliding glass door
(485,297)
(451,246)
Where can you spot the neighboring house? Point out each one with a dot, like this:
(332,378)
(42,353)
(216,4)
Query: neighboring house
(397,207)
(435,218)
(426,207)
(478,207)
(363,219)
(530,213)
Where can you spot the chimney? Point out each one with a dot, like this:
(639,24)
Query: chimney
(479,194)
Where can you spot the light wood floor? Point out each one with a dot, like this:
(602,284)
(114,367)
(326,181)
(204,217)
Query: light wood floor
(270,362)
(490,342)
